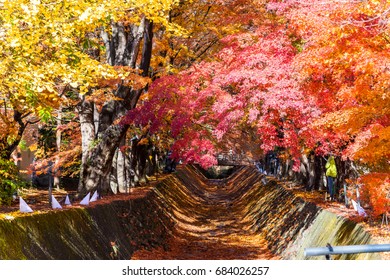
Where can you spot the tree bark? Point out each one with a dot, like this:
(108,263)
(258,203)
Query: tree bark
(56,175)
(99,159)
(319,172)
(86,116)
(6,147)
(118,177)
(308,171)
(147,47)
(123,47)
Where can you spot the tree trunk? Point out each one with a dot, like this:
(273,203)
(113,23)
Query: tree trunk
(308,171)
(123,48)
(112,177)
(154,161)
(147,48)
(312,172)
(121,171)
(7,147)
(99,159)
(118,176)
(56,175)
(345,170)
(86,116)
(319,172)
(142,159)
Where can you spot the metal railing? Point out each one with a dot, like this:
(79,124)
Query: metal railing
(351,249)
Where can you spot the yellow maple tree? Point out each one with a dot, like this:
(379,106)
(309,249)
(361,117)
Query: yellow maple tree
(43,51)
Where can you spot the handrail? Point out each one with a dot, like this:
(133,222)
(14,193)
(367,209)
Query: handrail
(351,249)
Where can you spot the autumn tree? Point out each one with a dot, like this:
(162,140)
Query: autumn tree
(206,23)
(304,77)
(52,57)
(42,59)
(248,85)
(344,66)
(127,46)
(300,92)
(173,49)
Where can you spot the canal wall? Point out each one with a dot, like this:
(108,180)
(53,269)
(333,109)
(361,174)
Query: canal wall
(86,233)
(290,224)
(286,222)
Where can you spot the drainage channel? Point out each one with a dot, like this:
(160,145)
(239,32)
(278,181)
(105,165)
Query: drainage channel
(208,224)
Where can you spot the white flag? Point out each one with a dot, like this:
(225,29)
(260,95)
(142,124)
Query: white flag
(354,204)
(23,207)
(358,208)
(54,203)
(67,200)
(361,211)
(85,200)
(94,197)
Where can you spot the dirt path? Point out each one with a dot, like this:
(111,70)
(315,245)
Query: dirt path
(211,228)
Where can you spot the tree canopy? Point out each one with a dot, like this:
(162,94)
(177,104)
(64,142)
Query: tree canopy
(197,77)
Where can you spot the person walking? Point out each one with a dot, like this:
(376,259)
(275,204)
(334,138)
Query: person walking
(331,174)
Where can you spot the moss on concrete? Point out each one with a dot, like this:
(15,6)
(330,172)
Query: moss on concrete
(85,233)
(288,223)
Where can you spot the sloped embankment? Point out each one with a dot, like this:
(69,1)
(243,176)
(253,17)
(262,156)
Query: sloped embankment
(186,216)
(86,233)
(240,218)
(289,224)
(206,227)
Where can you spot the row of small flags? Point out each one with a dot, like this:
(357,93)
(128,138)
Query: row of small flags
(24,208)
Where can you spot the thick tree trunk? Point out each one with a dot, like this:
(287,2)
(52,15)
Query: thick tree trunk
(99,159)
(345,170)
(147,48)
(113,176)
(154,161)
(286,169)
(123,48)
(118,177)
(86,116)
(121,171)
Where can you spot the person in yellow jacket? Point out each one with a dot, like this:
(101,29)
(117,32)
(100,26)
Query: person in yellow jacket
(331,174)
